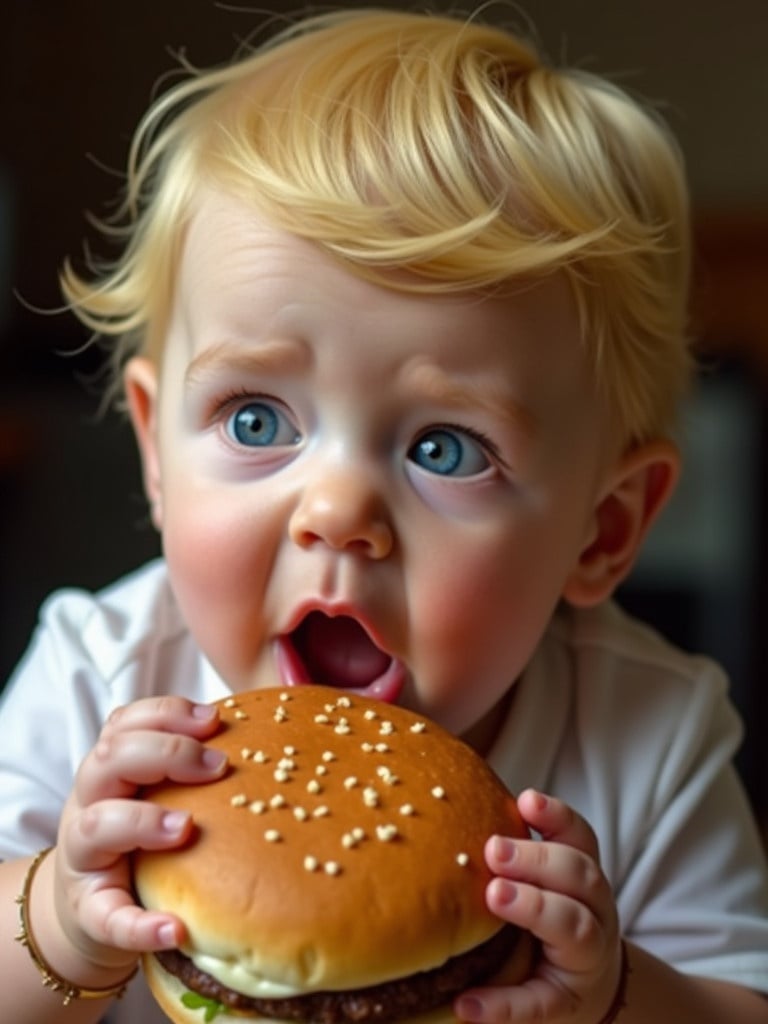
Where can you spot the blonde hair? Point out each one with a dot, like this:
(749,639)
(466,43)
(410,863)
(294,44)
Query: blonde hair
(421,142)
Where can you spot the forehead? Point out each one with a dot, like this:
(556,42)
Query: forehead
(255,304)
(244,280)
(228,241)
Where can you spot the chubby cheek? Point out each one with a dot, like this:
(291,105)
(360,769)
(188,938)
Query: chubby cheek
(219,558)
(480,615)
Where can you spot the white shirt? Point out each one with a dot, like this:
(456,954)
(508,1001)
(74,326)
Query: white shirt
(635,735)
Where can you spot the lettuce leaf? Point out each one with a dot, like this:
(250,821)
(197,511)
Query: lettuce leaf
(212,1008)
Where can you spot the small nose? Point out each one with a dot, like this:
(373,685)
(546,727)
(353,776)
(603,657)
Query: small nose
(342,509)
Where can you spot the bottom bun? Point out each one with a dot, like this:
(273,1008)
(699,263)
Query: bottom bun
(169,992)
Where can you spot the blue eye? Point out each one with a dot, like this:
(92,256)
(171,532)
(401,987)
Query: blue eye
(261,425)
(449,453)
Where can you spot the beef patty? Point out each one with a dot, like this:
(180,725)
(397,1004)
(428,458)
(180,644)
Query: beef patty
(376,1004)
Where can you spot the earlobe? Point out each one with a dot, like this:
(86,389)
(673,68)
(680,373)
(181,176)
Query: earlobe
(636,492)
(140,381)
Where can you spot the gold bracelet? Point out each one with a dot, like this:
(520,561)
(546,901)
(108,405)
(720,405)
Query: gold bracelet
(51,979)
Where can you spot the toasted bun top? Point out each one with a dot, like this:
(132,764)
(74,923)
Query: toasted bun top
(344,846)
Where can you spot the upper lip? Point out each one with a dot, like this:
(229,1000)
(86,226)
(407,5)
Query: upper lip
(334,609)
(381,675)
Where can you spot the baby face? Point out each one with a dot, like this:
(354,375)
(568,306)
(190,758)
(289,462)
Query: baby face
(362,486)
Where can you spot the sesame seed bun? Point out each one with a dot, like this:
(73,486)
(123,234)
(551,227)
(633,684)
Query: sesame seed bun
(343,849)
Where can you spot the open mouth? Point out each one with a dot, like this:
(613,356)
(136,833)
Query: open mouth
(337,651)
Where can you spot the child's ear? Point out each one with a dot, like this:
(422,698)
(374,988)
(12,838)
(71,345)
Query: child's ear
(140,382)
(636,492)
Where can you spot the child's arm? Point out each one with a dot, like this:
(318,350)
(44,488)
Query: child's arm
(80,907)
(556,890)
(26,1000)
(657,992)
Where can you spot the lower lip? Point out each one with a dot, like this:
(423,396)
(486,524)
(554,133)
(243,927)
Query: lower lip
(387,687)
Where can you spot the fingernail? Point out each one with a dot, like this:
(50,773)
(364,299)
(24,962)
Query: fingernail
(540,800)
(506,891)
(205,712)
(166,934)
(504,849)
(213,759)
(174,822)
(469,1008)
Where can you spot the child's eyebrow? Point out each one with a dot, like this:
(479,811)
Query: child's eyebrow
(431,382)
(279,355)
(424,378)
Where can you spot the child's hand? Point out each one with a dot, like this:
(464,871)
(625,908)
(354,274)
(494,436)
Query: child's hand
(103,822)
(556,890)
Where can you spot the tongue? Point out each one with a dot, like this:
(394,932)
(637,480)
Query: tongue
(338,651)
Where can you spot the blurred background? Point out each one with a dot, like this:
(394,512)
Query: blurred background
(75,76)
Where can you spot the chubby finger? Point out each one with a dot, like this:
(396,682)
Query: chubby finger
(112,918)
(535,1000)
(121,762)
(104,831)
(553,866)
(572,935)
(164,714)
(554,820)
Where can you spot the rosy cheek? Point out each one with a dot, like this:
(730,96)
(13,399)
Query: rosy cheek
(219,585)
(484,607)
(459,602)
(216,557)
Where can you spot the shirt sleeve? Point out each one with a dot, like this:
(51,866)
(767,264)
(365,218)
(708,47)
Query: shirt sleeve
(692,884)
(51,713)
(90,654)
(639,738)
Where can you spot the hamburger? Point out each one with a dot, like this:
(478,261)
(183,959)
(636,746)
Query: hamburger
(336,873)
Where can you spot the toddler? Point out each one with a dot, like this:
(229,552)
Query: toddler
(400,323)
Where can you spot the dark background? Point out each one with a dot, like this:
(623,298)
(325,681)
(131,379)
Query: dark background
(75,76)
